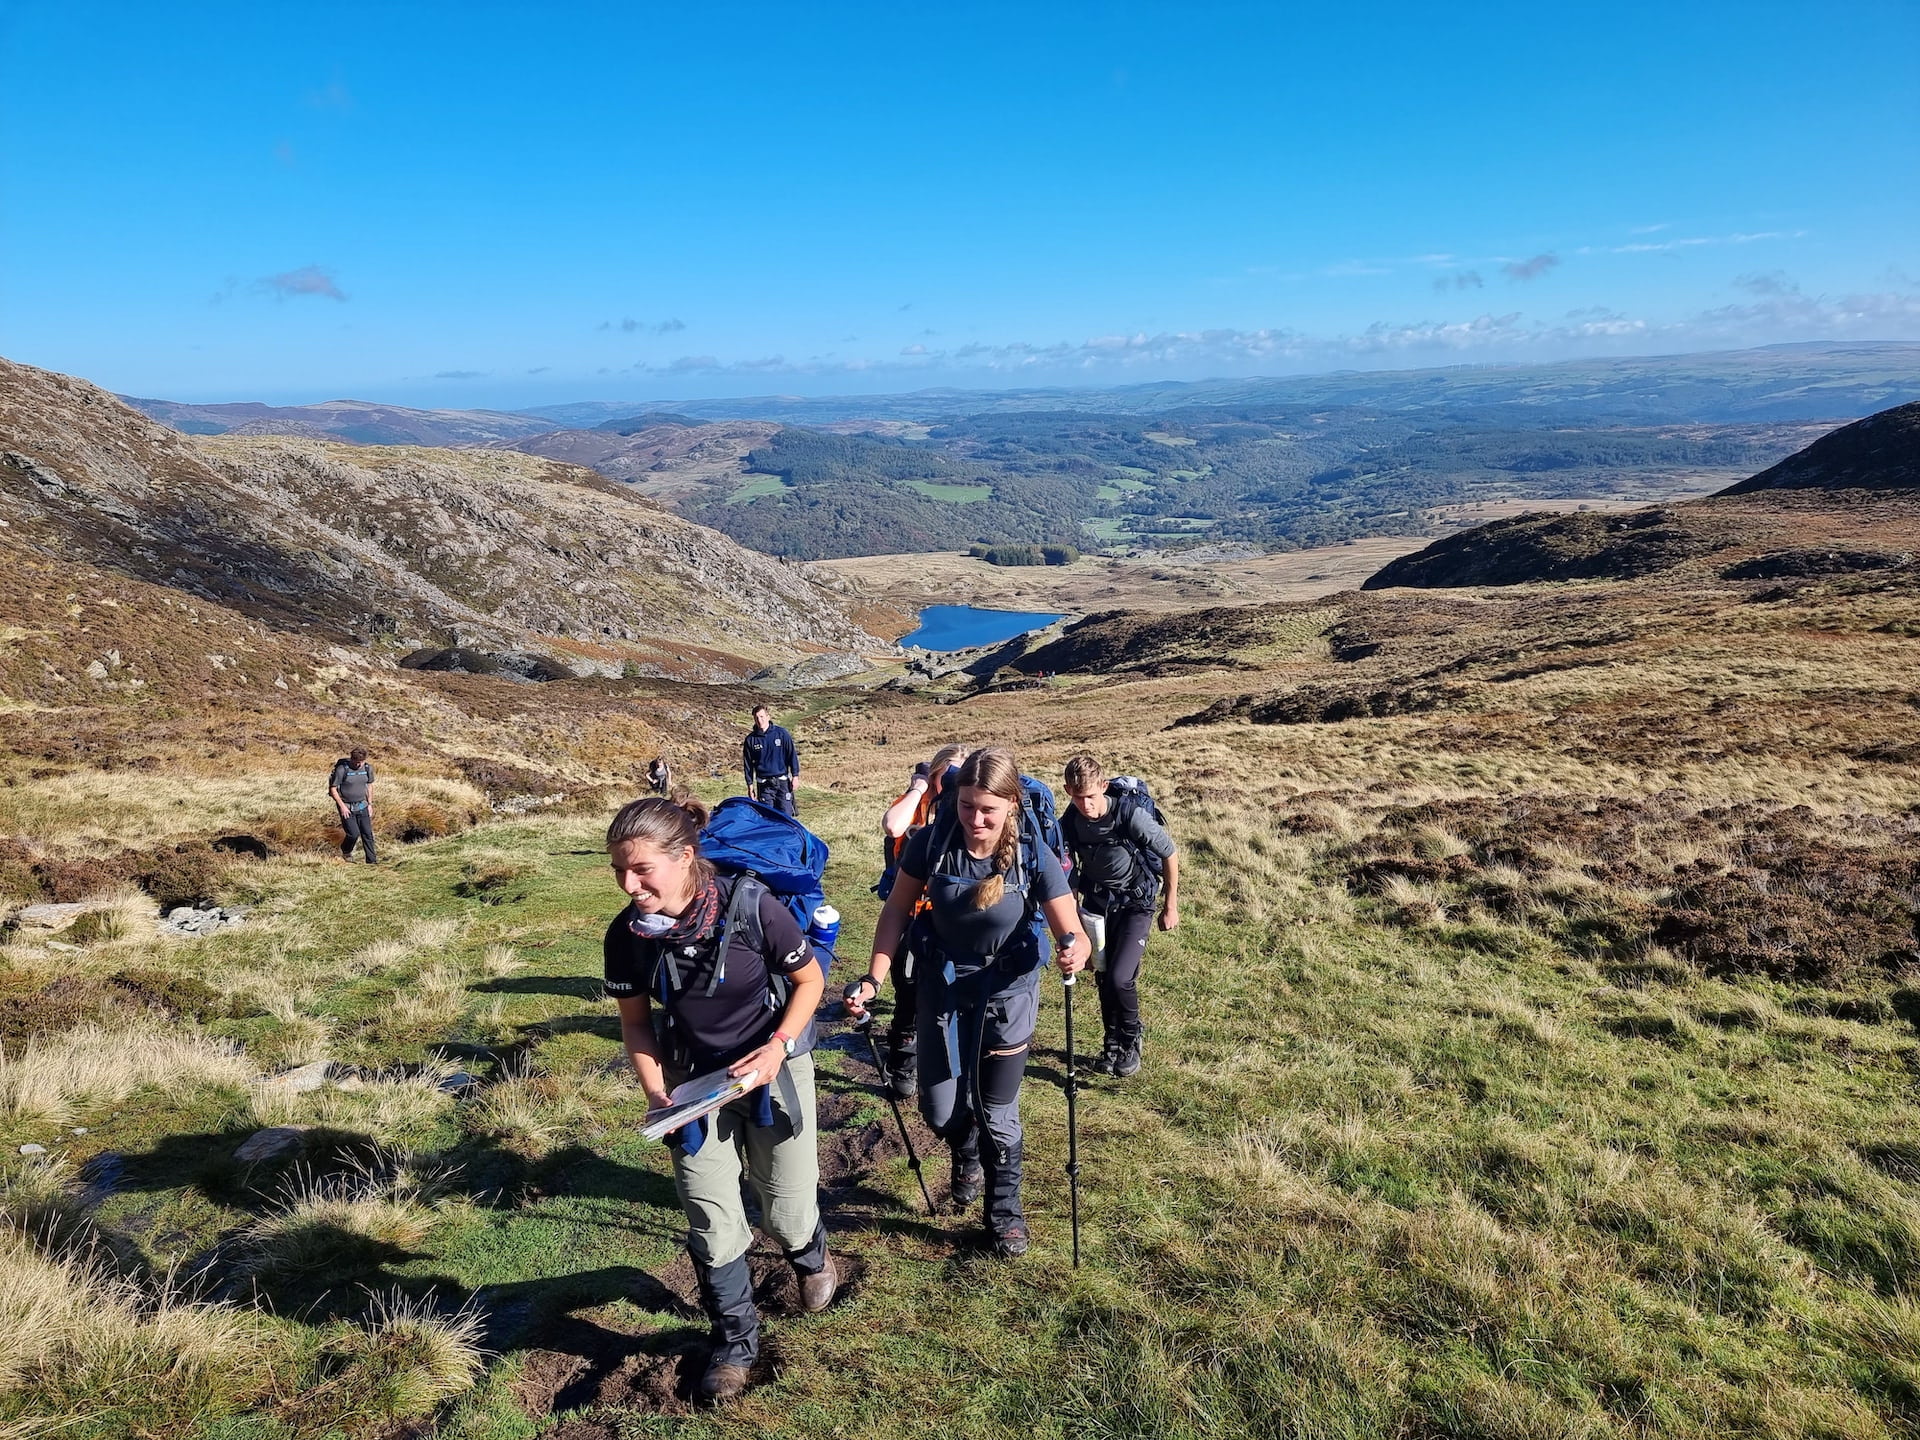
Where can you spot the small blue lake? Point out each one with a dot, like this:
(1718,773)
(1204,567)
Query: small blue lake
(957,627)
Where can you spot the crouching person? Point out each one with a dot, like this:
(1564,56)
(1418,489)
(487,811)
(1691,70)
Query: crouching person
(698,967)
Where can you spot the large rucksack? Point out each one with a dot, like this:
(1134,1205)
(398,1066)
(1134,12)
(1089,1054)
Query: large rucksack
(1128,794)
(760,851)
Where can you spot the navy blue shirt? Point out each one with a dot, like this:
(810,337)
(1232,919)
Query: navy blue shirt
(768,754)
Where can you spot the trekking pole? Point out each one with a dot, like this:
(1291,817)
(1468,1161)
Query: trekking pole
(864,1025)
(1073,1125)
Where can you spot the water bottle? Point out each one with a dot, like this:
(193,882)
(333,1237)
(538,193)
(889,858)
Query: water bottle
(825,927)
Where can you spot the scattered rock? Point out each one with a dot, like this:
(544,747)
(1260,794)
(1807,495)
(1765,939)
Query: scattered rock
(458,1083)
(79,1130)
(191,920)
(32,1149)
(48,917)
(814,670)
(300,1079)
(271,1143)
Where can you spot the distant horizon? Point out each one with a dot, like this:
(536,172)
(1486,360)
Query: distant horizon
(643,404)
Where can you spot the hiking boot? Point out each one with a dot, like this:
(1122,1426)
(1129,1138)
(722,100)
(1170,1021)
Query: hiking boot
(1127,1062)
(1010,1243)
(722,1382)
(969,1178)
(1108,1058)
(906,1075)
(818,1289)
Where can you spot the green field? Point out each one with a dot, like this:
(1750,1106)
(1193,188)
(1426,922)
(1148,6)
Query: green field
(756,486)
(954,493)
(1375,1180)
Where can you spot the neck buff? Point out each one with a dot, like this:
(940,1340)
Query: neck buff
(698,918)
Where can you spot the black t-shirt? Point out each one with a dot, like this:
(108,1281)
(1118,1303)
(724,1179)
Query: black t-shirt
(736,1018)
(957,925)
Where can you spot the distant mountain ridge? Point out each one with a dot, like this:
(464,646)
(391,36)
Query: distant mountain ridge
(1881,452)
(486,549)
(358,422)
(1872,458)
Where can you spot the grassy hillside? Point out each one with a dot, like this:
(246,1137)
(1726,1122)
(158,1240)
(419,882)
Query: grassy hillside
(1536,1061)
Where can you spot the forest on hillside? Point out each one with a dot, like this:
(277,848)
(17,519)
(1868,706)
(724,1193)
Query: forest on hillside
(1278,477)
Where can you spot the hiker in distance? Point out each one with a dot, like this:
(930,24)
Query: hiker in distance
(905,816)
(696,996)
(351,786)
(1123,859)
(659,775)
(771,761)
(990,882)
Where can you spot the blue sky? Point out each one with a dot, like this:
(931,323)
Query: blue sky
(490,204)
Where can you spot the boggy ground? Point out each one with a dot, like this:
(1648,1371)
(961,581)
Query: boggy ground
(1539,1061)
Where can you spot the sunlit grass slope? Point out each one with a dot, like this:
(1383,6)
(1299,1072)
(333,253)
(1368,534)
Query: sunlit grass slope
(1389,1171)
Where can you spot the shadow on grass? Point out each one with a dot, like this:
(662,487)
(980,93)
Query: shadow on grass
(580,987)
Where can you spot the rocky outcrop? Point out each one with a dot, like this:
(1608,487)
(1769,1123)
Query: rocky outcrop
(483,549)
(1582,546)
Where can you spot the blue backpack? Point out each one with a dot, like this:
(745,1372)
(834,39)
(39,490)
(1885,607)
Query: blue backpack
(764,851)
(757,851)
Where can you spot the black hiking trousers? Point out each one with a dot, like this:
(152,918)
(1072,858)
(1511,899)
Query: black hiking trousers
(902,1026)
(1119,977)
(359,827)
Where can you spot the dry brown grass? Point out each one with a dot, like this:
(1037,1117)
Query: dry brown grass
(47,1080)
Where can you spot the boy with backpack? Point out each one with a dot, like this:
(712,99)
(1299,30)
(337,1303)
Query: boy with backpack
(351,788)
(1122,858)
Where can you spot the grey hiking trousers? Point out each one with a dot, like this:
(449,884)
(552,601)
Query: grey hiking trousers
(782,1166)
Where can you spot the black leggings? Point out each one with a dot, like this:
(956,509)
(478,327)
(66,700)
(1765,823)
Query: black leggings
(1127,932)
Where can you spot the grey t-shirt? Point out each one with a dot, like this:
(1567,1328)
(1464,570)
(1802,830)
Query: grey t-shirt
(950,879)
(353,785)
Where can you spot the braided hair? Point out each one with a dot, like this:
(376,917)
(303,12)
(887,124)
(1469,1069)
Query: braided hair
(995,771)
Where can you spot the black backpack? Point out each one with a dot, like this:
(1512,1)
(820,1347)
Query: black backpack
(1128,794)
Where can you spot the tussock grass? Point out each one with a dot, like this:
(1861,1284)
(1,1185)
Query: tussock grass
(405,1358)
(534,1114)
(326,1228)
(72,1331)
(46,1080)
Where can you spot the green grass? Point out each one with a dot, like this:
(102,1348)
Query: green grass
(1373,1181)
(756,486)
(954,492)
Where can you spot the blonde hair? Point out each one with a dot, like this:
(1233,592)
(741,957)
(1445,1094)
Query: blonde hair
(1083,774)
(995,771)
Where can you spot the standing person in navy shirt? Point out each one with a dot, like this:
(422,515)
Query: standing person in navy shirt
(770,761)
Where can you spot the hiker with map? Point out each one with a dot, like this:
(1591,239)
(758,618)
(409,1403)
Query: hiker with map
(987,864)
(717,983)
